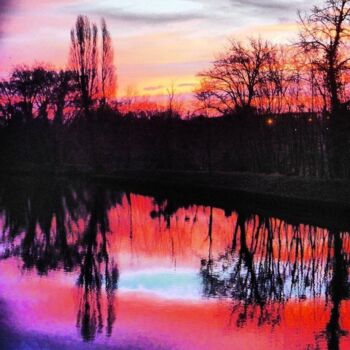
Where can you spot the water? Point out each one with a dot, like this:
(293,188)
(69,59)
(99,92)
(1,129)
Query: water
(94,266)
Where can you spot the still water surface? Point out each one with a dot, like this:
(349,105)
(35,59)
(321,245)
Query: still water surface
(91,266)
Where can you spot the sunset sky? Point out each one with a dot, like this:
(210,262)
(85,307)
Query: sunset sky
(156,41)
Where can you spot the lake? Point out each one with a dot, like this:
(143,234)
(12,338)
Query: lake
(93,265)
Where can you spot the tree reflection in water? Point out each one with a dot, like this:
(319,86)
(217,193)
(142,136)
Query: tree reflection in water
(54,225)
(96,268)
(270,263)
(42,225)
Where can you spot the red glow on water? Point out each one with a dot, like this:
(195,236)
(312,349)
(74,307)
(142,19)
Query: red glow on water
(185,325)
(146,247)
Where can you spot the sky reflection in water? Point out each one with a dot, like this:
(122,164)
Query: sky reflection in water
(89,266)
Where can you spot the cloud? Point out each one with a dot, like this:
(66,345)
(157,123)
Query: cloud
(187,85)
(136,15)
(272,6)
(153,88)
(121,15)
(5,7)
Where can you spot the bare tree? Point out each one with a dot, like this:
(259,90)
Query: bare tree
(278,86)
(6,101)
(29,90)
(171,91)
(234,77)
(324,33)
(84,59)
(108,71)
(64,95)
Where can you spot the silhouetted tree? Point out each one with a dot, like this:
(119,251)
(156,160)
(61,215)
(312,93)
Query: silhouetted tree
(64,95)
(235,75)
(108,71)
(324,32)
(84,59)
(31,90)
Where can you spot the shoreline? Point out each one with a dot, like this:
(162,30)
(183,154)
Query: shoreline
(294,199)
(325,203)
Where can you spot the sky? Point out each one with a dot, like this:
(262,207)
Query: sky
(157,42)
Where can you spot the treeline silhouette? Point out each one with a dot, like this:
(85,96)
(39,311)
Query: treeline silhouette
(279,109)
(61,225)
(110,141)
